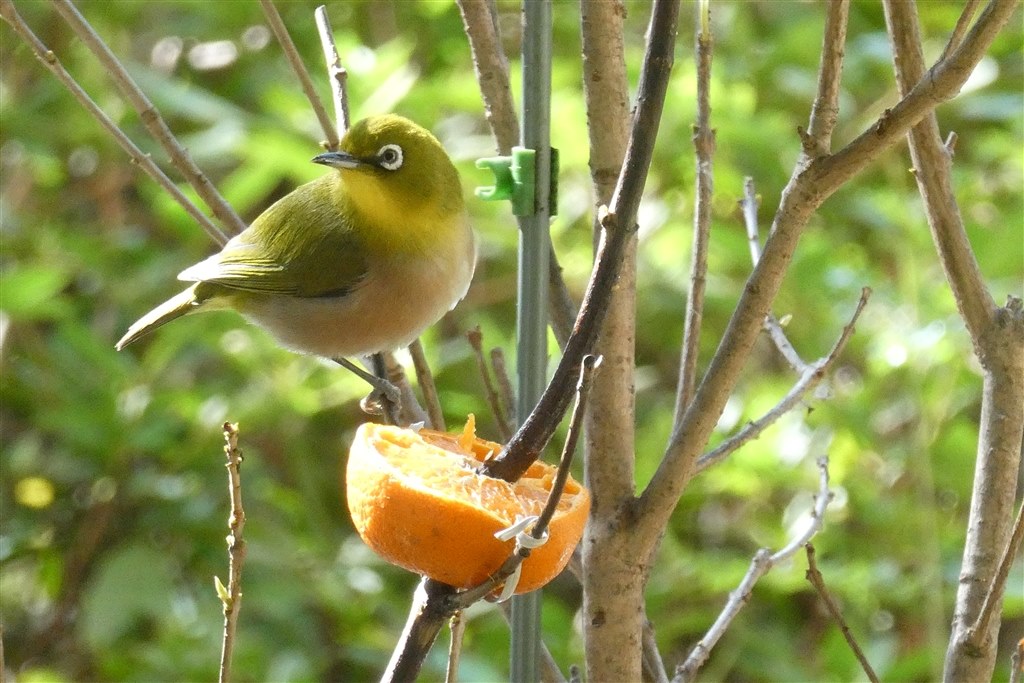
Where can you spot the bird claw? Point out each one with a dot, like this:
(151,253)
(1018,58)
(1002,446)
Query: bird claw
(383,392)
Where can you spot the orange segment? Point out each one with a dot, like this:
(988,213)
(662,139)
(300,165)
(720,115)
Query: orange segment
(417,499)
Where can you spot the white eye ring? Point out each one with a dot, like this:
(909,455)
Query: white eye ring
(390,157)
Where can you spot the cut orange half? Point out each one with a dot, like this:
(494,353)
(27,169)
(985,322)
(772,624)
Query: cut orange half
(417,499)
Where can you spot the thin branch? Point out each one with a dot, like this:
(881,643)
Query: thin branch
(475,337)
(457,627)
(825,111)
(231,597)
(151,118)
(1017,663)
(761,564)
(409,409)
(653,665)
(810,378)
(704,147)
(292,54)
(425,378)
(501,376)
(979,629)
(336,73)
(818,581)
(618,226)
(137,156)
(962,24)
(772,326)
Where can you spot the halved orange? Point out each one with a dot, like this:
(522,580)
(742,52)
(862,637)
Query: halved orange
(417,499)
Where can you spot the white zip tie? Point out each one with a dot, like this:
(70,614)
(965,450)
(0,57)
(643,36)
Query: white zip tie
(523,540)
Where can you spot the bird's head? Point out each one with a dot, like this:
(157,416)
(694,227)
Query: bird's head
(392,167)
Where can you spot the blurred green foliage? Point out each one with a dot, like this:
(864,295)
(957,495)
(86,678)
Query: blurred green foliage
(113,494)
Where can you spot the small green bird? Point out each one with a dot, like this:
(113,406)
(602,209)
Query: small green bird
(358,261)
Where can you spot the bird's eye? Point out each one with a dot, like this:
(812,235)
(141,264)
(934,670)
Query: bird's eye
(390,157)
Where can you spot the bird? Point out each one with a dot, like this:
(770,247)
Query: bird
(359,261)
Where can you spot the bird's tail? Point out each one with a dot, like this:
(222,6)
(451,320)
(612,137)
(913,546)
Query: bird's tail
(175,307)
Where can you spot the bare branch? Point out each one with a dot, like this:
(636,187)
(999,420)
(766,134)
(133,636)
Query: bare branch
(501,376)
(654,667)
(1017,663)
(960,29)
(978,631)
(425,378)
(335,71)
(772,326)
(457,627)
(475,337)
(818,581)
(231,597)
(292,54)
(825,111)
(704,146)
(137,156)
(154,123)
(810,378)
(762,563)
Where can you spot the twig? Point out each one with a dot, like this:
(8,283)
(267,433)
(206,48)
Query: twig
(809,378)
(653,665)
(425,378)
(818,581)
(825,111)
(587,368)
(292,54)
(335,71)
(1017,662)
(137,156)
(960,29)
(618,225)
(150,117)
(749,205)
(3,664)
(979,629)
(501,376)
(457,626)
(704,148)
(761,564)
(231,597)
(475,337)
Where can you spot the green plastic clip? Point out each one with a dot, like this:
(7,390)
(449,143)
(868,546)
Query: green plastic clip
(514,179)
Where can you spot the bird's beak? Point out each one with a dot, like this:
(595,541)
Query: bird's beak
(339,160)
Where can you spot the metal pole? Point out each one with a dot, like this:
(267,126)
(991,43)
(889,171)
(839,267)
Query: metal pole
(532,319)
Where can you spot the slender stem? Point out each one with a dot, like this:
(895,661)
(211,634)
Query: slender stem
(425,378)
(508,394)
(232,600)
(475,338)
(336,73)
(457,627)
(137,156)
(151,118)
(305,81)
(960,29)
(818,581)
(825,110)
(978,630)
(704,148)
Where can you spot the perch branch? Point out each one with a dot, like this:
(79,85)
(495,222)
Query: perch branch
(292,54)
(762,563)
(825,110)
(979,629)
(818,581)
(150,117)
(137,156)
(809,378)
(501,376)
(457,627)
(960,29)
(231,596)
(425,378)
(704,148)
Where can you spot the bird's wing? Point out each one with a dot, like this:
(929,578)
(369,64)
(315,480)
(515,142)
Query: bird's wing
(299,247)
